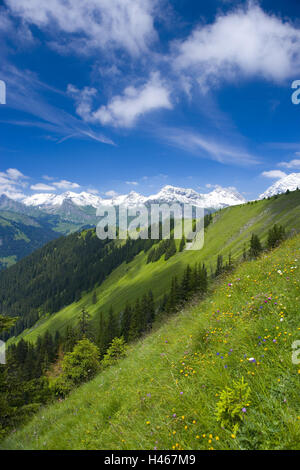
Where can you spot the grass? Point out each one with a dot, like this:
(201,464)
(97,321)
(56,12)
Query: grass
(231,229)
(163,395)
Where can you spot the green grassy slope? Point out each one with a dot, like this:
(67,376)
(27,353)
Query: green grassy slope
(164,394)
(232,227)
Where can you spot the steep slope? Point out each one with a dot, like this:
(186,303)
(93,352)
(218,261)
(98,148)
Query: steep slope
(164,394)
(230,231)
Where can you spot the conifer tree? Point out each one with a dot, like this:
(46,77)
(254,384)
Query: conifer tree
(255,246)
(94,298)
(101,341)
(151,308)
(84,322)
(275,236)
(171,250)
(112,328)
(219,268)
(126,322)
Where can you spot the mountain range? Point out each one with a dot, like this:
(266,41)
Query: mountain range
(216,199)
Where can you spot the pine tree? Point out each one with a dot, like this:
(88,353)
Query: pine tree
(255,246)
(275,236)
(94,298)
(151,308)
(171,250)
(101,341)
(126,322)
(135,328)
(186,283)
(84,322)
(112,329)
(219,268)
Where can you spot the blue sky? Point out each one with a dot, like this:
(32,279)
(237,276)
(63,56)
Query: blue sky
(120,95)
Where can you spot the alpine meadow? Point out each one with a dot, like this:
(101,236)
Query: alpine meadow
(149,229)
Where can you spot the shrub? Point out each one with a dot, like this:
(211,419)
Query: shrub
(78,366)
(117,350)
(275,236)
(231,408)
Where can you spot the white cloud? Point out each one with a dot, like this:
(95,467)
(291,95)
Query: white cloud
(12,183)
(42,187)
(111,193)
(124,110)
(85,25)
(83,99)
(292,164)
(15,174)
(48,178)
(276,174)
(245,42)
(132,183)
(64,184)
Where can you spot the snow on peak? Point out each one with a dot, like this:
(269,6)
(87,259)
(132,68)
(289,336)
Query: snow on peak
(290,182)
(48,199)
(218,198)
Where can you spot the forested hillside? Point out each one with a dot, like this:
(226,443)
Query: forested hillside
(20,235)
(57,274)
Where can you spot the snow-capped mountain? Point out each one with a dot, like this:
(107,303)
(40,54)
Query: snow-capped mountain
(49,199)
(291,182)
(133,199)
(216,199)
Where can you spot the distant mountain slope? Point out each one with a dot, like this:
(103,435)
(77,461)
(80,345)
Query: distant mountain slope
(164,395)
(290,182)
(20,235)
(230,230)
(23,228)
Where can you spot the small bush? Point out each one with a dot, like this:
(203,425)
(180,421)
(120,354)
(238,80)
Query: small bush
(117,350)
(231,408)
(78,366)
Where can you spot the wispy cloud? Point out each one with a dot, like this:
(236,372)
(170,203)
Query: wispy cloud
(205,147)
(292,164)
(64,184)
(274,174)
(26,93)
(42,187)
(89,25)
